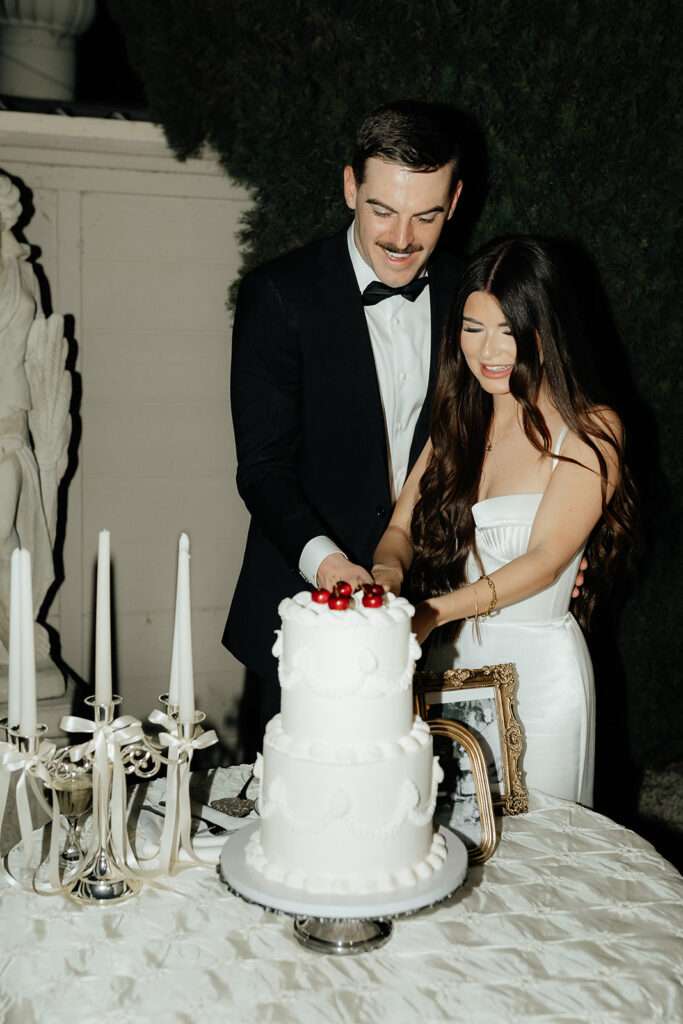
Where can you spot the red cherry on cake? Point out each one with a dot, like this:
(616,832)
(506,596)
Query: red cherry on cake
(320,596)
(339,602)
(377,590)
(343,589)
(372,600)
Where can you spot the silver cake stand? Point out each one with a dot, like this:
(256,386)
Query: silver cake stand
(340,924)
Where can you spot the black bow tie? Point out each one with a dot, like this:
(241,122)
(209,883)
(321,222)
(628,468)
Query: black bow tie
(376,290)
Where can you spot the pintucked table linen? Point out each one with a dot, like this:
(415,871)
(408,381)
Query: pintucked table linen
(574,919)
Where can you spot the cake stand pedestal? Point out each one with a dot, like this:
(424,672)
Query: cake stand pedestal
(338,923)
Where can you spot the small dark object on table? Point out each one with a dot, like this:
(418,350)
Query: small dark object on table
(235,806)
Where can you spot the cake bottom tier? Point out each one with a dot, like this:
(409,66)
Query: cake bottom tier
(347,828)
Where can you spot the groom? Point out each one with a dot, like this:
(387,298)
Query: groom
(335,350)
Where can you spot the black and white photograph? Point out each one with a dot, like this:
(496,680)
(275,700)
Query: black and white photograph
(483,701)
(457,804)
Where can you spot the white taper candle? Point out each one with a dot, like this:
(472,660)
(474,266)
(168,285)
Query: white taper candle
(185,673)
(27,715)
(173,687)
(14,669)
(103,624)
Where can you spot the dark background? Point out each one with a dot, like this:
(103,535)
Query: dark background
(104,76)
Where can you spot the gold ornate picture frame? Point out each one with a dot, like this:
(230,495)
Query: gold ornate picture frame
(482,700)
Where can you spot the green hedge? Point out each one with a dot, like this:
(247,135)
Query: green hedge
(575,104)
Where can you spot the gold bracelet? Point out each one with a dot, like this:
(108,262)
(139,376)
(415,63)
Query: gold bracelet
(494,595)
(475,618)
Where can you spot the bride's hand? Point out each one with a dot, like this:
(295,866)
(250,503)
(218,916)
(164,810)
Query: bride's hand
(424,621)
(388,577)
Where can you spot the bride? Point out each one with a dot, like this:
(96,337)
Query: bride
(523,473)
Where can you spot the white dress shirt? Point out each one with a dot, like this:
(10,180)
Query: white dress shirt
(400,335)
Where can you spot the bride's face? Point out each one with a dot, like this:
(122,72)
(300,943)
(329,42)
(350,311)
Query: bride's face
(487,343)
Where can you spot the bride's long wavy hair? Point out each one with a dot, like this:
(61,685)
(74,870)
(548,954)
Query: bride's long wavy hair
(523,274)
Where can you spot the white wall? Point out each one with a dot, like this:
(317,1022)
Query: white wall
(140,250)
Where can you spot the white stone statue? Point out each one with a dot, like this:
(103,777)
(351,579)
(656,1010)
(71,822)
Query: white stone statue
(35,394)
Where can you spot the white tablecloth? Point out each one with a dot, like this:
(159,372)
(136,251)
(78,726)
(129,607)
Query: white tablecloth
(573,919)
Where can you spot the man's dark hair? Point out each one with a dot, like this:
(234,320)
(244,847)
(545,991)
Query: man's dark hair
(421,136)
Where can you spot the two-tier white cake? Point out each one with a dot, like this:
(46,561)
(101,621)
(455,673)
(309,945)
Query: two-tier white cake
(347,779)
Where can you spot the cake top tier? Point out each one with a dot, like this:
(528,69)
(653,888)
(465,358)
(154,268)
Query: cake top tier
(355,650)
(305,610)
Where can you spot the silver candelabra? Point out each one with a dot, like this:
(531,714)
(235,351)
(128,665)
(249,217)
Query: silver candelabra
(96,770)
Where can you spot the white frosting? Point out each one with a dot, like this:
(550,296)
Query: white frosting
(347,781)
(306,715)
(358,651)
(349,746)
(302,608)
(316,881)
(340,808)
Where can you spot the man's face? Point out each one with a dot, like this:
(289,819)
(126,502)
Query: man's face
(399,215)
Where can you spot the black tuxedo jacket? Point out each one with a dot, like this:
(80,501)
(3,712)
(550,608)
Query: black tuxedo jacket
(309,426)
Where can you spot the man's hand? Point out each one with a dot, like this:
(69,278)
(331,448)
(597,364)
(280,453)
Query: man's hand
(579,579)
(336,567)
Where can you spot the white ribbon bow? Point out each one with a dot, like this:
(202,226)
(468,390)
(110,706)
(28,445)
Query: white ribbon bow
(34,775)
(176,834)
(109,795)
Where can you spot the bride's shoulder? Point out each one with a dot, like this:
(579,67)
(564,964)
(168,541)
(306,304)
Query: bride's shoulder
(604,428)
(601,424)
(605,424)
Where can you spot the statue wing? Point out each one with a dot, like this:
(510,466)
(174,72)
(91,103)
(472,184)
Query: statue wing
(49,419)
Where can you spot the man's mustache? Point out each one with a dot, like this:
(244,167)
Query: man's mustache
(413,247)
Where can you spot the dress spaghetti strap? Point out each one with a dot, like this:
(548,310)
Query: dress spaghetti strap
(556,449)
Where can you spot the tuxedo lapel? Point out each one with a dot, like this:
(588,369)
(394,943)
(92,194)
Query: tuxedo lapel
(348,340)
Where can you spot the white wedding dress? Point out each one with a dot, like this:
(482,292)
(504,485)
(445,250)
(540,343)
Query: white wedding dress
(555,693)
